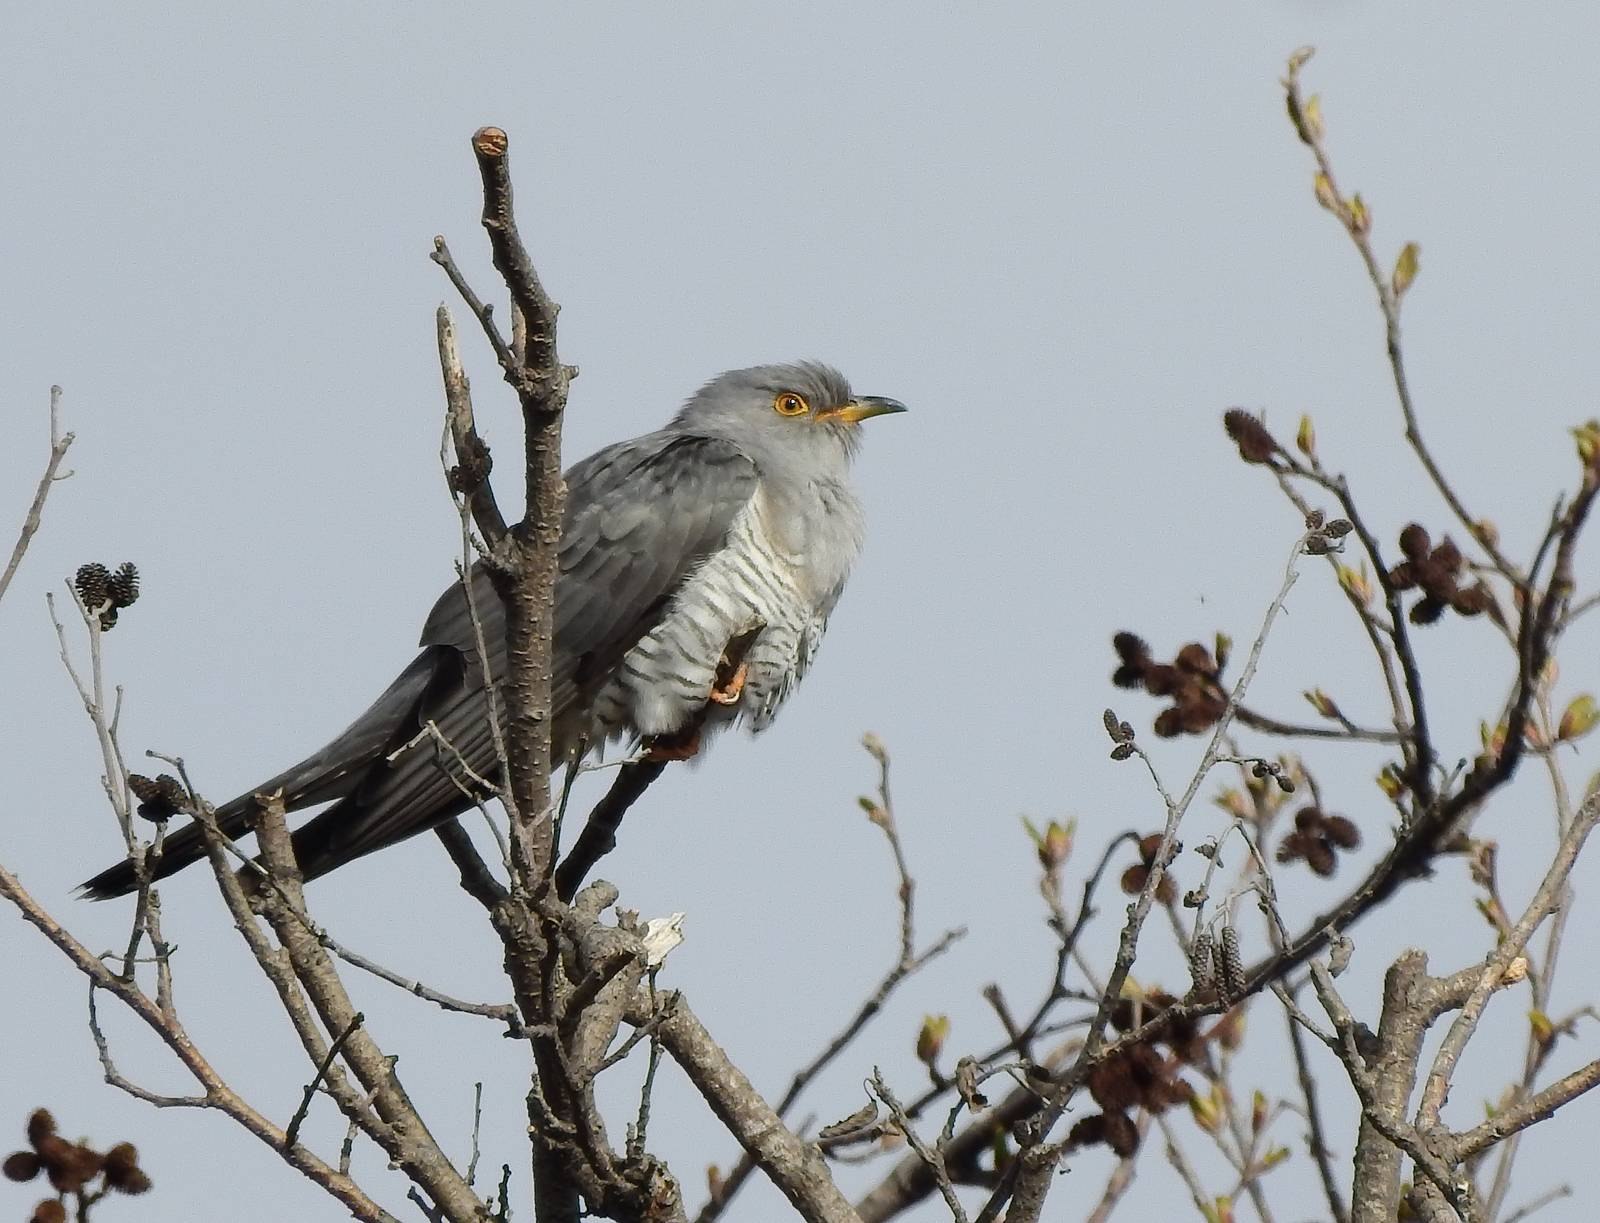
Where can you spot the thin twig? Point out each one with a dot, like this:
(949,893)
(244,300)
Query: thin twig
(1316,1139)
(1095,1042)
(907,963)
(1539,1203)
(291,1132)
(932,1156)
(477,1124)
(1346,730)
(501,1012)
(1389,299)
(59,442)
(1461,1030)
(121,1082)
(226,1100)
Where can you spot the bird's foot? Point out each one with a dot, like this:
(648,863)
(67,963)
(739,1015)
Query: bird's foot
(727,690)
(681,745)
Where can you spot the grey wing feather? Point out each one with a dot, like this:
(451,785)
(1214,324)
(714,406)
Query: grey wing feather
(641,516)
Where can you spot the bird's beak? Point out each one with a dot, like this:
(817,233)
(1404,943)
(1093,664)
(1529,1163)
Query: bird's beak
(862,408)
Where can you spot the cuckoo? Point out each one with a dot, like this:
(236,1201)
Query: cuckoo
(698,568)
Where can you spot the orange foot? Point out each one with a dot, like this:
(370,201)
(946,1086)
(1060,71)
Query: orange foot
(683,745)
(727,691)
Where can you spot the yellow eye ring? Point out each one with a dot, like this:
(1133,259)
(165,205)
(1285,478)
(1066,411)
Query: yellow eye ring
(790,403)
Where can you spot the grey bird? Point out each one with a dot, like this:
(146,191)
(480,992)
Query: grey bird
(698,567)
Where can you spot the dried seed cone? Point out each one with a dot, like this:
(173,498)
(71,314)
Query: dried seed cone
(1200,961)
(122,587)
(1232,964)
(93,582)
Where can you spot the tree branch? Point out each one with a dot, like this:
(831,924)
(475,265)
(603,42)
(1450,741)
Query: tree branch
(1536,1108)
(795,1167)
(406,1140)
(59,442)
(599,835)
(172,1034)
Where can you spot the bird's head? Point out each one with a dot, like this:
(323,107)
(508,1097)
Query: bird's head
(803,412)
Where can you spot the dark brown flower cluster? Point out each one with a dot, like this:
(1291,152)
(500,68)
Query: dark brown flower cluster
(1192,680)
(1140,1076)
(1437,571)
(473,469)
(160,798)
(1248,432)
(72,1167)
(109,592)
(1317,839)
(1322,536)
(1137,875)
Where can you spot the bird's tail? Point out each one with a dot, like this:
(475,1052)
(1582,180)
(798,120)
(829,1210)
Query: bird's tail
(334,771)
(178,850)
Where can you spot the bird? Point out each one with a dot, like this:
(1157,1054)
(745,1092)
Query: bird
(698,567)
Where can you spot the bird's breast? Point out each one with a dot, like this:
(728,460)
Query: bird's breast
(781,573)
(816,530)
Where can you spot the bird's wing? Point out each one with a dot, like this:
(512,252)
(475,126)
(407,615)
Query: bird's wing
(641,517)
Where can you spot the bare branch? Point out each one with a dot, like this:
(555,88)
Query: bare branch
(223,1097)
(795,1167)
(470,477)
(1539,1203)
(1316,1139)
(1389,297)
(932,1156)
(121,1082)
(1494,968)
(599,835)
(477,880)
(501,1012)
(59,442)
(405,1138)
(906,964)
(1536,1108)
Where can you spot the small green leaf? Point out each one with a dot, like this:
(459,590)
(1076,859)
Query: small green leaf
(931,1037)
(1405,269)
(1305,438)
(1579,718)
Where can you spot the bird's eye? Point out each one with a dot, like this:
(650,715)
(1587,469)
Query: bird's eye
(788,403)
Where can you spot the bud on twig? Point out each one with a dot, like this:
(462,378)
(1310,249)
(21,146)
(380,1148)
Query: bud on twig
(1305,438)
(1578,719)
(930,1039)
(1406,267)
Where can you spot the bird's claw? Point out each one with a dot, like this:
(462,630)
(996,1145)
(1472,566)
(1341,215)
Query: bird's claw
(728,691)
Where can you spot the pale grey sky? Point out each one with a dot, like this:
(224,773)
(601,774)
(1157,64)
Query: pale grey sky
(1067,235)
